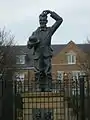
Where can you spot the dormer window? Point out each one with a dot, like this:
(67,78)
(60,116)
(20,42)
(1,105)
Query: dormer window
(20,59)
(71,58)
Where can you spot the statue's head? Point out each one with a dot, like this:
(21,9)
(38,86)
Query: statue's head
(43,19)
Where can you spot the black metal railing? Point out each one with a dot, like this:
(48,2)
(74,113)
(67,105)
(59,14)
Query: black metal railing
(67,100)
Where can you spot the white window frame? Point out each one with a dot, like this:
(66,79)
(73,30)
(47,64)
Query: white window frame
(78,73)
(75,74)
(76,77)
(60,75)
(20,76)
(20,59)
(71,57)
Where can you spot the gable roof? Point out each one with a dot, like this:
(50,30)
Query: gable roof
(19,50)
(59,47)
(84,47)
(56,48)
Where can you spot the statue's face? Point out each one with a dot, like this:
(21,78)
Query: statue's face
(43,21)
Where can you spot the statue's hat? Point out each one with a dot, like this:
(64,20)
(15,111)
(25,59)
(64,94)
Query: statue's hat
(33,40)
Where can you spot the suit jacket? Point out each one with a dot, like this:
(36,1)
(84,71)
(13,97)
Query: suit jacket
(44,36)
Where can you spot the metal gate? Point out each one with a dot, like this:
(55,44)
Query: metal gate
(23,100)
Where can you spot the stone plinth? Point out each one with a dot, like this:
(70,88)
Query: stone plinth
(43,100)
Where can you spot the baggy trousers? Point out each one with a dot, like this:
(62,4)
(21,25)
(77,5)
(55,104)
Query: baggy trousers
(43,73)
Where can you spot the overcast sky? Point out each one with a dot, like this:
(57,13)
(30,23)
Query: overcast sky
(21,17)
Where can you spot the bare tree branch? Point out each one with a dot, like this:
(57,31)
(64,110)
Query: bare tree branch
(84,60)
(6,53)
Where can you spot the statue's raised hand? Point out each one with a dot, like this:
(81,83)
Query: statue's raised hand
(46,12)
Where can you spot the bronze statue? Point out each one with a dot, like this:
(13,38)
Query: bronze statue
(40,40)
